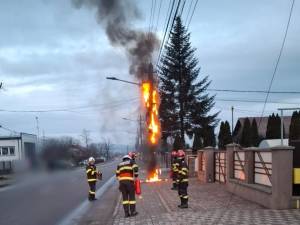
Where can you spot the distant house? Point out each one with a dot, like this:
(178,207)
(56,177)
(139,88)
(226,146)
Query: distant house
(262,123)
(17,150)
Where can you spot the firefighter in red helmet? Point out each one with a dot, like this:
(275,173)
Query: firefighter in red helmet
(182,179)
(174,169)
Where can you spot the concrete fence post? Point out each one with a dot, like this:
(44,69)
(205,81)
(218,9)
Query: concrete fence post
(249,165)
(282,177)
(209,164)
(230,148)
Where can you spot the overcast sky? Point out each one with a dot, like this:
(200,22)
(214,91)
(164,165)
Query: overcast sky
(54,56)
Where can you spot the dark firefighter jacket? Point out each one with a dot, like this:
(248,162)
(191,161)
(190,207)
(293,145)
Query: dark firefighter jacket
(91,173)
(135,167)
(175,165)
(183,172)
(127,170)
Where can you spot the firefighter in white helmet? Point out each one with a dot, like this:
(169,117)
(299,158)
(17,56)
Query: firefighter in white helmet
(92,176)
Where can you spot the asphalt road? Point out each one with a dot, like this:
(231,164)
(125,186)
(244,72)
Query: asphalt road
(47,199)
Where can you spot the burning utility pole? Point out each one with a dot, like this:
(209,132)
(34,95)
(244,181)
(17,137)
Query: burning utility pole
(151,105)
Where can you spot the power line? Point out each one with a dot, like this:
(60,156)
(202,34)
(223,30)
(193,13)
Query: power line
(192,14)
(106,105)
(253,91)
(166,30)
(256,101)
(158,16)
(189,11)
(278,60)
(174,17)
(181,11)
(150,20)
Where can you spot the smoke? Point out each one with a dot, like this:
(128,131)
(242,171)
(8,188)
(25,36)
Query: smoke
(116,17)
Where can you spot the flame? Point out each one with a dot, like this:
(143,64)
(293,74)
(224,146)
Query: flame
(154,176)
(151,102)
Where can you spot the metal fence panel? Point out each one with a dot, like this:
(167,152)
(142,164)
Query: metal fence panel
(239,165)
(263,168)
(220,167)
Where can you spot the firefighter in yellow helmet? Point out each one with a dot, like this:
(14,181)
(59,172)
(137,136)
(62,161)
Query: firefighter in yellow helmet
(92,176)
(182,179)
(126,173)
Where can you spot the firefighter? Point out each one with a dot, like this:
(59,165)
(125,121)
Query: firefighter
(92,176)
(183,179)
(133,157)
(126,173)
(174,169)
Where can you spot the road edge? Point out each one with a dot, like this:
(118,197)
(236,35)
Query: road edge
(75,215)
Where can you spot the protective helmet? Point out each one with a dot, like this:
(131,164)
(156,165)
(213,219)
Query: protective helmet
(126,157)
(174,153)
(91,160)
(180,153)
(132,155)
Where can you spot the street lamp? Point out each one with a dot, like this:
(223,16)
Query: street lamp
(125,81)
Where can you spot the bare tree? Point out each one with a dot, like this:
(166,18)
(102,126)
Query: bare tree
(86,137)
(106,148)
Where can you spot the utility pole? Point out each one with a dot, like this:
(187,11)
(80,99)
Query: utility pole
(141,132)
(232,120)
(38,131)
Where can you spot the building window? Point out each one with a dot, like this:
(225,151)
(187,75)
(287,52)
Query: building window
(12,150)
(5,151)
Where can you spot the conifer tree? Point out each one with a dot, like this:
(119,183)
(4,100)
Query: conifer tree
(221,136)
(236,131)
(254,134)
(246,134)
(185,105)
(227,134)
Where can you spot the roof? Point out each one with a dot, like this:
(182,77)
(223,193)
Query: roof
(269,143)
(10,137)
(262,128)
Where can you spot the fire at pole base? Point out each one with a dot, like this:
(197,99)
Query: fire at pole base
(151,106)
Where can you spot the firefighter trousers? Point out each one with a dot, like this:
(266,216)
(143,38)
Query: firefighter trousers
(182,192)
(128,194)
(175,181)
(92,191)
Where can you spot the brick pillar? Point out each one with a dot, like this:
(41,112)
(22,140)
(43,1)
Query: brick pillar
(282,177)
(209,164)
(201,174)
(249,165)
(229,159)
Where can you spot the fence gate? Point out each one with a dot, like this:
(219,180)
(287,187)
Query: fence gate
(220,167)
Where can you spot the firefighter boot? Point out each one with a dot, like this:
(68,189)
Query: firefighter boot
(184,204)
(181,202)
(132,210)
(174,186)
(126,210)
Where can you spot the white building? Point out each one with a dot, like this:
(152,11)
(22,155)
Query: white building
(270,143)
(17,150)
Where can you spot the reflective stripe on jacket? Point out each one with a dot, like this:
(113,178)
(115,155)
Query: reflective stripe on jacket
(91,173)
(127,170)
(183,172)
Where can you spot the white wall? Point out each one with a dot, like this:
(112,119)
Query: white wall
(11,143)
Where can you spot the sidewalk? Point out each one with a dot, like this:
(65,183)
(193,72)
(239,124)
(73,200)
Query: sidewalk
(209,204)
(6,180)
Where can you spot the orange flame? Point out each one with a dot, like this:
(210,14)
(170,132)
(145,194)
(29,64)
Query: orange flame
(154,176)
(151,101)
